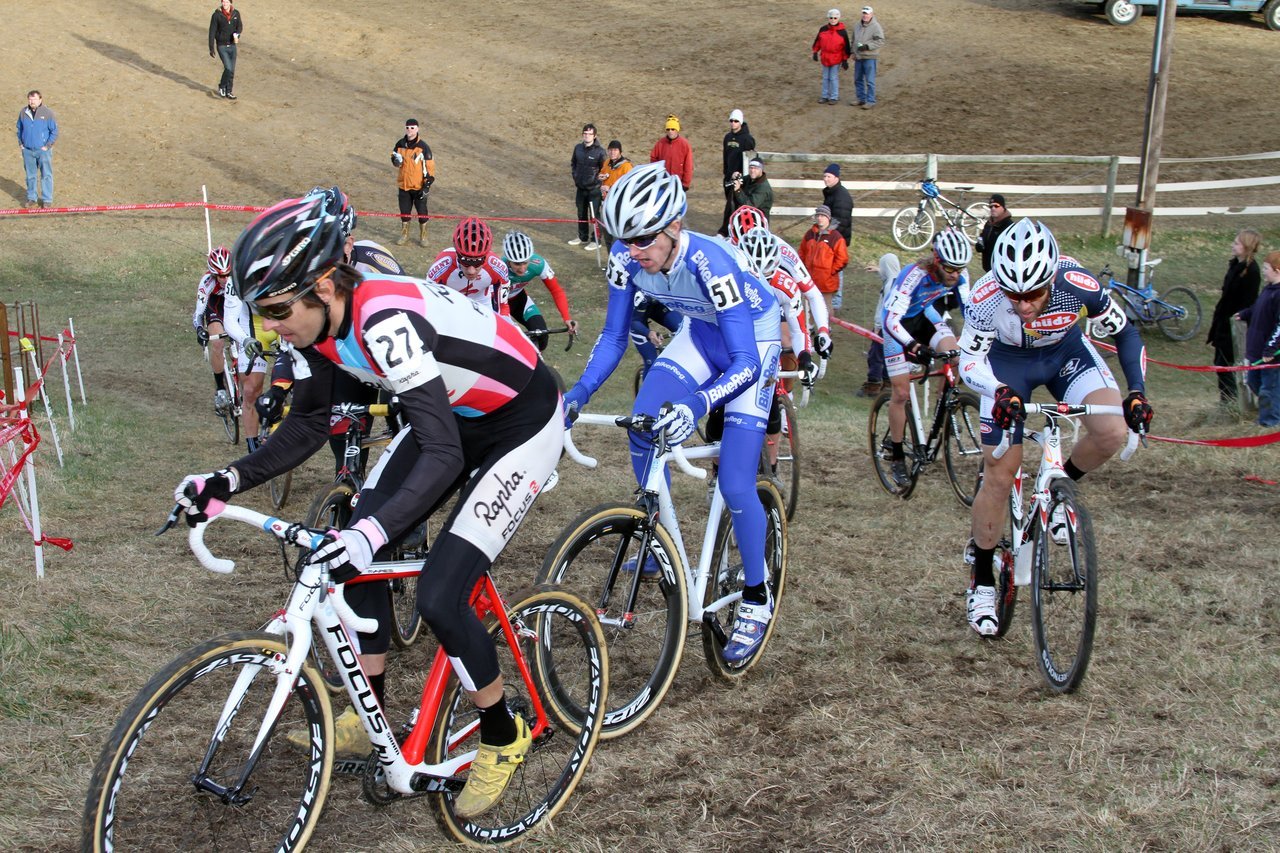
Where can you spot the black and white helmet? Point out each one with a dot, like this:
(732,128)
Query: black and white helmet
(287,245)
(517,248)
(1025,257)
(761,249)
(953,248)
(643,201)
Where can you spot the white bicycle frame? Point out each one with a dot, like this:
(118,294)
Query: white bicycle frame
(315,601)
(655,482)
(1050,441)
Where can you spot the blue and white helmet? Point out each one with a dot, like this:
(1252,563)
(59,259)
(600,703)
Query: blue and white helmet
(643,201)
(953,248)
(1025,257)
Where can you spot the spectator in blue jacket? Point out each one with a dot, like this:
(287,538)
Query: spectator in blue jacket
(37,131)
(1262,342)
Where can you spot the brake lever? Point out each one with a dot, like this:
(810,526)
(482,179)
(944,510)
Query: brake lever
(172,520)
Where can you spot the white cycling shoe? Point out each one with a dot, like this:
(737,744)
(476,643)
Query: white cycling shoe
(981,610)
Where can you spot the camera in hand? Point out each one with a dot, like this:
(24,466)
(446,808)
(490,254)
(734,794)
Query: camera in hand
(735,180)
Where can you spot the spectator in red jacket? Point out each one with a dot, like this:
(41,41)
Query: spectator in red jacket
(824,254)
(675,152)
(831,48)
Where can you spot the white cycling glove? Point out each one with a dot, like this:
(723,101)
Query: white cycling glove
(679,423)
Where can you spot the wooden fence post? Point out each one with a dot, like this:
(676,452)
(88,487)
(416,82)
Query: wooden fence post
(1113,172)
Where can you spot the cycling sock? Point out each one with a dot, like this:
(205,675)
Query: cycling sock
(982,571)
(220,381)
(497,726)
(1072,471)
(757,594)
(896,452)
(379,684)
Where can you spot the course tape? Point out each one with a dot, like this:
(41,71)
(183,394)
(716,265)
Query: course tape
(1196,368)
(245,208)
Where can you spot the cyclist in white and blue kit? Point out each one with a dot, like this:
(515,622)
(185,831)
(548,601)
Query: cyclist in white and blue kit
(1022,329)
(914,329)
(725,354)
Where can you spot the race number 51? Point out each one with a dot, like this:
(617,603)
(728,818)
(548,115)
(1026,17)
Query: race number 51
(724,292)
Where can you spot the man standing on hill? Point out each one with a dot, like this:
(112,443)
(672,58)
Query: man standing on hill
(585,165)
(675,152)
(840,203)
(737,143)
(37,131)
(224,37)
(412,156)
(868,38)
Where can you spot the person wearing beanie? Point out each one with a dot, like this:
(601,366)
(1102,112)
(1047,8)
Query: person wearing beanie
(675,152)
(416,172)
(614,168)
(753,190)
(831,48)
(837,198)
(868,38)
(998,220)
(824,254)
(585,165)
(739,144)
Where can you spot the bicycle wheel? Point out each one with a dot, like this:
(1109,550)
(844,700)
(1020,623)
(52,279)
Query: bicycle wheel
(645,644)
(280,487)
(881,446)
(1179,316)
(727,578)
(785,473)
(1064,593)
(975,217)
(170,774)
(562,642)
(913,228)
(962,445)
(330,510)
(404,591)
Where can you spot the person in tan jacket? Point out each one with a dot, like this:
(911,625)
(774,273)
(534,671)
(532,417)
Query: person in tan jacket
(417,172)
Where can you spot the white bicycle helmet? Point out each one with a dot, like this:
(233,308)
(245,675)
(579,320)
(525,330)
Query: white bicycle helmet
(761,249)
(517,248)
(1025,257)
(953,248)
(643,201)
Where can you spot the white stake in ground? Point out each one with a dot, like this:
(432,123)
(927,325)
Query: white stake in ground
(29,349)
(66,381)
(37,538)
(75,352)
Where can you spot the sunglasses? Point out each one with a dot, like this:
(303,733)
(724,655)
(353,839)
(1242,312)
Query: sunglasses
(280,311)
(1028,296)
(468,261)
(640,242)
(951,269)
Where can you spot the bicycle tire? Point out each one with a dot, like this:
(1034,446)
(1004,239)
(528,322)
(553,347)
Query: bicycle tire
(880,442)
(141,794)
(280,488)
(331,510)
(645,646)
(727,578)
(962,446)
(1064,594)
(562,641)
(406,619)
(785,473)
(1006,592)
(975,219)
(1174,327)
(912,228)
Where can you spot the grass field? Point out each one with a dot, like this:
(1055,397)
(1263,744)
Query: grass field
(878,721)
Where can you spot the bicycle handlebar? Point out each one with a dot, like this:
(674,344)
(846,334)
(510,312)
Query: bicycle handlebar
(532,334)
(642,423)
(294,534)
(1070,412)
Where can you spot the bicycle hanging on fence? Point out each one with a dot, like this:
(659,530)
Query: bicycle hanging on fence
(1176,312)
(629,560)
(1060,565)
(199,759)
(956,432)
(913,227)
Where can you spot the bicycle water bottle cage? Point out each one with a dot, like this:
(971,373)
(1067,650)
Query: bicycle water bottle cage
(929,188)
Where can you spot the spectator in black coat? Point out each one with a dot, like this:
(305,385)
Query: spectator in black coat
(1239,290)
(999,220)
(585,165)
(836,197)
(738,143)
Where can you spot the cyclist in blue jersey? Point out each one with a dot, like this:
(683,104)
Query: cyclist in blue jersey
(913,329)
(1022,330)
(725,354)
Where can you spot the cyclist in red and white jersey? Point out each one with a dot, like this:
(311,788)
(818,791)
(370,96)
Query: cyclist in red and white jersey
(207,320)
(470,267)
(1022,329)
(484,418)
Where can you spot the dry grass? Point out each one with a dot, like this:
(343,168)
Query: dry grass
(879,720)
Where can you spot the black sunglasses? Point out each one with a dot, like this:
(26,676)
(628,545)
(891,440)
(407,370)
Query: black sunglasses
(1029,296)
(640,242)
(279,311)
(468,261)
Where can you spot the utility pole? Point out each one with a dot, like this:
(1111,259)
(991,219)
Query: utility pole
(1137,220)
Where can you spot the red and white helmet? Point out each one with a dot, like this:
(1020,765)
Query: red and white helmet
(472,238)
(743,220)
(220,261)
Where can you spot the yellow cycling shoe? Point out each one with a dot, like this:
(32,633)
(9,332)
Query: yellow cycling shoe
(491,772)
(349,736)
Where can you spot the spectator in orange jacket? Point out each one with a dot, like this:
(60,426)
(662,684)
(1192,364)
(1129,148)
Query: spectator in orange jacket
(675,152)
(824,254)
